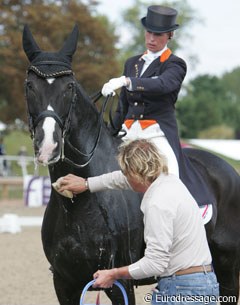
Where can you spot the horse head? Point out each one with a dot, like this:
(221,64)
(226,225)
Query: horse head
(50,92)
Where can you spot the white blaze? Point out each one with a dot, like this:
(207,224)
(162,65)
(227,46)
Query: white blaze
(48,145)
(50,80)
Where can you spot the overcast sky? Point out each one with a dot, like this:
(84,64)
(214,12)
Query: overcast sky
(216,42)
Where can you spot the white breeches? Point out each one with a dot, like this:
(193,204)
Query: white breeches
(156,135)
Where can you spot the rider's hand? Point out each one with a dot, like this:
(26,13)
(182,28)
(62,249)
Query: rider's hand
(114,84)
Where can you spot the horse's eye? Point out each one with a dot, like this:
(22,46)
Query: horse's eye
(29,85)
(70,86)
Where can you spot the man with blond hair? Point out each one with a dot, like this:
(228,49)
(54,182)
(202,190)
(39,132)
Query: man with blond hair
(177,252)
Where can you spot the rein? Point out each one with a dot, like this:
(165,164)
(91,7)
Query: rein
(91,153)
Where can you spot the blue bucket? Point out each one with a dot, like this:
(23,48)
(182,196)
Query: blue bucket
(120,286)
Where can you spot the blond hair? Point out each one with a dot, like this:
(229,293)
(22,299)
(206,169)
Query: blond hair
(141,160)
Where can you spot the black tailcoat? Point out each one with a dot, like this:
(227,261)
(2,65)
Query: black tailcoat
(153,96)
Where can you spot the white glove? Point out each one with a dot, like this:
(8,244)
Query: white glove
(112,85)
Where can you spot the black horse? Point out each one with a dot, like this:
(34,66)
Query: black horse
(102,230)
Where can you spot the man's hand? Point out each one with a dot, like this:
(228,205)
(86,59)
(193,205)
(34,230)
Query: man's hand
(114,84)
(71,184)
(104,278)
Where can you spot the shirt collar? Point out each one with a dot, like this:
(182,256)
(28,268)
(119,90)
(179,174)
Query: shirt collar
(157,54)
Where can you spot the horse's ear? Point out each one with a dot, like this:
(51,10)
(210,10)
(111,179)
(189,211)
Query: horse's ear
(70,44)
(29,44)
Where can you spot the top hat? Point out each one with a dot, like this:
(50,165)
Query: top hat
(160,19)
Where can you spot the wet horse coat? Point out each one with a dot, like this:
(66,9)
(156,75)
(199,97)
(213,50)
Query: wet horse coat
(105,229)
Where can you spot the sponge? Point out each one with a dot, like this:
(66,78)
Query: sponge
(56,185)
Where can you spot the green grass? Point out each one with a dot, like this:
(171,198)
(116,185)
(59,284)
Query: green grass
(13,142)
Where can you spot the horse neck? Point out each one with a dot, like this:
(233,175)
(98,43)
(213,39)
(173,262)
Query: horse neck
(84,132)
(85,119)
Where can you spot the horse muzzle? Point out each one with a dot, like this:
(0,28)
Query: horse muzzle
(48,152)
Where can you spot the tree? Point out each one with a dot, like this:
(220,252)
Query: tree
(210,102)
(202,106)
(230,81)
(50,23)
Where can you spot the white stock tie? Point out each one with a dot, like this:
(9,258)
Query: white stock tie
(148,58)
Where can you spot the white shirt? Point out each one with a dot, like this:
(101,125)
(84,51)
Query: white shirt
(174,232)
(149,57)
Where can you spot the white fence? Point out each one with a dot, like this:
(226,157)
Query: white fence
(6,162)
(36,189)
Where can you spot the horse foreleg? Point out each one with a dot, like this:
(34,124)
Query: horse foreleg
(229,286)
(66,294)
(226,266)
(116,296)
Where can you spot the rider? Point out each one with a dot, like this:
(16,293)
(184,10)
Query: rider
(150,86)
(149,89)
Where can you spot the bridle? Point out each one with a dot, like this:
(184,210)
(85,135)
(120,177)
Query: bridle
(65,124)
(33,122)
